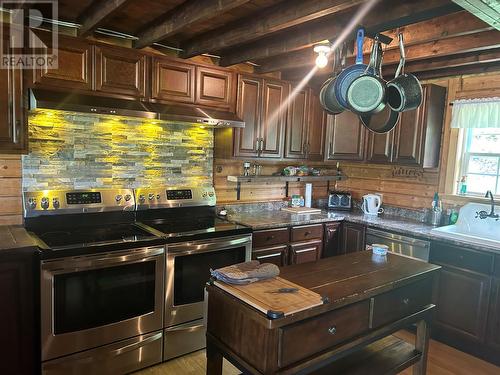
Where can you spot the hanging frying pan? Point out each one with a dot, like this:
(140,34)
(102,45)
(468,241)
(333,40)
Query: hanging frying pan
(349,74)
(381,122)
(366,95)
(327,94)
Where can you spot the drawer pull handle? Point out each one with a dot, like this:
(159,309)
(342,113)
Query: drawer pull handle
(461,257)
(268,256)
(305,250)
(307,233)
(332,330)
(269,238)
(406,301)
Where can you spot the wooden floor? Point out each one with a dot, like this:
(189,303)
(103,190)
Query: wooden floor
(443,360)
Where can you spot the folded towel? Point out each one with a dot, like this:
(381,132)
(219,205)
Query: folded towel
(246,272)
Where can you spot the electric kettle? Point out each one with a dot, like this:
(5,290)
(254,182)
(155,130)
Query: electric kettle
(371,204)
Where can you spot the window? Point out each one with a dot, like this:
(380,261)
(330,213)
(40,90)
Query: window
(481,160)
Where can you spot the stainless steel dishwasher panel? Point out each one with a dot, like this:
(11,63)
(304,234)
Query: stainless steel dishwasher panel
(408,246)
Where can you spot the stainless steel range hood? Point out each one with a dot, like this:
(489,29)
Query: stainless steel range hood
(75,102)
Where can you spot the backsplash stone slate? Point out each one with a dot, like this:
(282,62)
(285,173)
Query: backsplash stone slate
(78,151)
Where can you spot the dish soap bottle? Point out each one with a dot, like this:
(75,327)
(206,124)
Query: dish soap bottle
(462,190)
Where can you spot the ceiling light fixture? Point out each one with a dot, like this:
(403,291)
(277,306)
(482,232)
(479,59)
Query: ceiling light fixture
(323,51)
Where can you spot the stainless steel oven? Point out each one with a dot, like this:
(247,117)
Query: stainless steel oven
(188,270)
(94,300)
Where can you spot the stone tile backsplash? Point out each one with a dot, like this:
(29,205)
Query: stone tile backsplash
(78,151)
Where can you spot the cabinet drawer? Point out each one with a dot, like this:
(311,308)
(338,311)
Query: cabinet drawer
(304,252)
(456,256)
(270,237)
(305,338)
(277,255)
(307,232)
(398,303)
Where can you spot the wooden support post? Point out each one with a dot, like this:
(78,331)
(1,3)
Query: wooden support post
(422,345)
(214,359)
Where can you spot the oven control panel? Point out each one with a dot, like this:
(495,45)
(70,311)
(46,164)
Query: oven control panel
(168,197)
(53,202)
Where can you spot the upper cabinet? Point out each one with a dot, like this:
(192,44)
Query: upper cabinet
(173,81)
(346,137)
(379,147)
(260,103)
(120,71)
(13,127)
(316,130)
(297,125)
(215,88)
(74,66)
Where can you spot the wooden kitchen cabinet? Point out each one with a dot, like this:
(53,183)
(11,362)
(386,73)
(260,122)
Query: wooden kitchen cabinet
(173,81)
(353,238)
(249,109)
(75,65)
(276,254)
(493,329)
(316,131)
(331,240)
(120,71)
(297,125)
(215,88)
(272,129)
(304,252)
(380,147)
(346,137)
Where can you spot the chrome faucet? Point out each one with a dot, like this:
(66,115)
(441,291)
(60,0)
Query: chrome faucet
(483,214)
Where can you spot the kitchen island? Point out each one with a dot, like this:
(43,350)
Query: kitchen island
(366,300)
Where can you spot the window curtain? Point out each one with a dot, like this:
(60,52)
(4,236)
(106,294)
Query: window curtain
(476,113)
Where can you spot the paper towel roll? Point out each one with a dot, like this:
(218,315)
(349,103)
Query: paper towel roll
(308,197)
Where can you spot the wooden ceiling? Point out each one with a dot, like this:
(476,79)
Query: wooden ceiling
(279,35)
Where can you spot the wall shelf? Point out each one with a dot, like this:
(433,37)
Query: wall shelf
(286,179)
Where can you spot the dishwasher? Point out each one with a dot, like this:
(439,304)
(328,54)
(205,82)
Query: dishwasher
(408,246)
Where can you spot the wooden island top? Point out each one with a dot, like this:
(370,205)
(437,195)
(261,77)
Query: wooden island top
(367,299)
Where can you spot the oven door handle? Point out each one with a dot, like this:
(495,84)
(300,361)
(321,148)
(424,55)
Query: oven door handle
(86,262)
(207,246)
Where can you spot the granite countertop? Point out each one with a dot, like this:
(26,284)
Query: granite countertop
(269,218)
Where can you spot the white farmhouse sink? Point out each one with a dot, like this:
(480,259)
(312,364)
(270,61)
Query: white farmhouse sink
(468,228)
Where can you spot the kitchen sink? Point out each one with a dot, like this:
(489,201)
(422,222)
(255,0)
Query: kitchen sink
(471,228)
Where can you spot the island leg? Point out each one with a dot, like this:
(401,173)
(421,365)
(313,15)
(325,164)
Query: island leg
(214,358)
(422,345)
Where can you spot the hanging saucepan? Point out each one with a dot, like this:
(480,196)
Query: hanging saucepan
(327,94)
(404,92)
(366,94)
(381,122)
(349,74)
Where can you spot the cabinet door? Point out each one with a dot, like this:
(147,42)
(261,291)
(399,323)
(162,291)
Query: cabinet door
(297,125)
(74,69)
(494,316)
(380,147)
(249,109)
(173,81)
(331,242)
(353,238)
(120,71)
(316,130)
(277,255)
(17,315)
(13,126)
(463,304)
(346,137)
(305,252)
(215,88)
(409,135)
(273,118)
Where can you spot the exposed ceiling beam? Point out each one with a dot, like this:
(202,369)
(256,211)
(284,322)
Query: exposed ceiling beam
(184,16)
(441,47)
(487,10)
(386,15)
(460,70)
(97,13)
(281,16)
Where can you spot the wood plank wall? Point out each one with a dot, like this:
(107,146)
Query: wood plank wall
(363,177)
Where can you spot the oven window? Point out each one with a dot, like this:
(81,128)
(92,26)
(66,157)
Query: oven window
(191,272)
(93,298)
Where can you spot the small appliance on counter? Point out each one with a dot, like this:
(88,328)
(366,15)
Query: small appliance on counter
(371,204)
(339,200)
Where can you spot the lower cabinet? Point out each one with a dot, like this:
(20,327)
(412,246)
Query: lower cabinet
(353,238)
(331,240)
(305,252)
(276,255)
(468,300)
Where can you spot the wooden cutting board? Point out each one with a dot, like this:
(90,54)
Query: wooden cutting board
(302,210)
(259,295)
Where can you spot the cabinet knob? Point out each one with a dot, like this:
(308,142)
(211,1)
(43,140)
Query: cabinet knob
(406,301)
(332,330)
(269,238)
